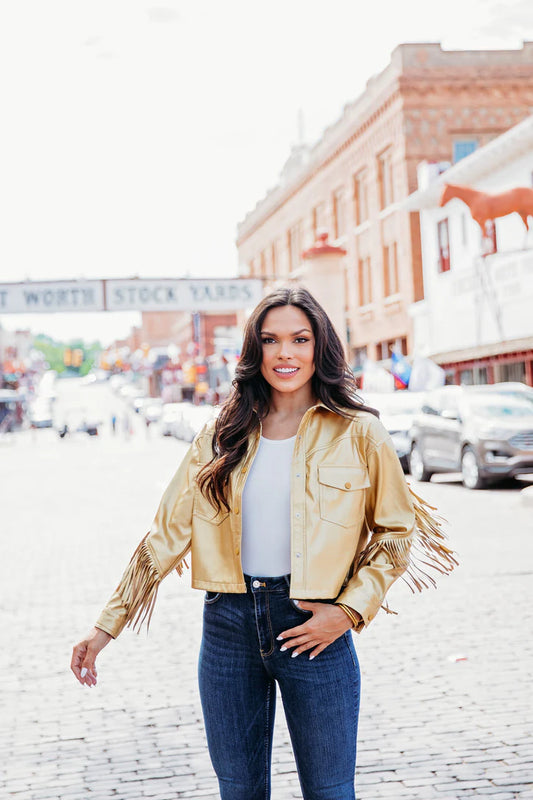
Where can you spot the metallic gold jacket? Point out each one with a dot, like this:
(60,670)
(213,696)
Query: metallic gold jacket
(353,522)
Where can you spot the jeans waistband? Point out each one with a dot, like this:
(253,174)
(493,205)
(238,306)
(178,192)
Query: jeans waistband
(257,583)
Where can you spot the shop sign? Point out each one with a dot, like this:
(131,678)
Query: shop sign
(182,295)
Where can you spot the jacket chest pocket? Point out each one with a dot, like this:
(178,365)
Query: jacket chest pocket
(342,493)
(203,509)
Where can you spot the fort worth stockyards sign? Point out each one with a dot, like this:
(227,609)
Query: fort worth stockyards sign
(136,294)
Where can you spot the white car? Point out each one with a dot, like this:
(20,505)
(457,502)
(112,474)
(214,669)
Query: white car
(152,410)
(397,411)
(196,418)
(170,413)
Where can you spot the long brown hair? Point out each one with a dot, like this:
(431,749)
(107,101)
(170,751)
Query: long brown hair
(333,383)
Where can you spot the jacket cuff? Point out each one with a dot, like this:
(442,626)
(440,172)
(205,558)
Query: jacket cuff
(366,607)
(113,618)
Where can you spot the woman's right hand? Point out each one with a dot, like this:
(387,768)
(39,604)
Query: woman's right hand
(84,656)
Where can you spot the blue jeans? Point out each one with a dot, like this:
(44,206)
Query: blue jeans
(240,661)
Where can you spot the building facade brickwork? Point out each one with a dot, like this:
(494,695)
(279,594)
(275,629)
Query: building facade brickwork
(428,104)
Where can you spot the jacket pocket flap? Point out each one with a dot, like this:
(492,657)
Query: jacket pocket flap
(347,478)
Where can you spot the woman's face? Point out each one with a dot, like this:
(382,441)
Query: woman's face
(288,349)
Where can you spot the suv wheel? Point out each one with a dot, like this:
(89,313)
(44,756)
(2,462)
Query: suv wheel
(470,470)
(416,464)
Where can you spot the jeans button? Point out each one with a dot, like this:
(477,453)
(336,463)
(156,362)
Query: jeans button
(256,584)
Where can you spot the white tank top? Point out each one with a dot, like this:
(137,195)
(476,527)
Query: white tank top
(266,510)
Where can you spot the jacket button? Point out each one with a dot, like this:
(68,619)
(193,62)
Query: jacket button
(347,485)
(243,470)
(237,551)
(298,555)
(236,511)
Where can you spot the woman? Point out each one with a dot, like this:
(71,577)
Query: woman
(298,519)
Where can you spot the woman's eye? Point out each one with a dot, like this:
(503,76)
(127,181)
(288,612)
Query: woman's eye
(301,339)
(267,340)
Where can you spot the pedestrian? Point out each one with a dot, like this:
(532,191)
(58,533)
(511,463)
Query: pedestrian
(298,519)
(126,426)
(114,423)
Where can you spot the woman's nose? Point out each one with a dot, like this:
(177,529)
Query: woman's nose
(285,350)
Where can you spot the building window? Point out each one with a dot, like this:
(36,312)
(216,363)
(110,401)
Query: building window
(515,371)
(339,221)
(274,258)
(385,179)
(359,357)
(319,218)
(443,239)
(475,376)
(462,148)
(360,197)
(386,348)
(365,281)
(390,269)
(294,246)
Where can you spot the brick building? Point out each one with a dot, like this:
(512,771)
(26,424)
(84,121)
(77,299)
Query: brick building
(427,104)
(185,330)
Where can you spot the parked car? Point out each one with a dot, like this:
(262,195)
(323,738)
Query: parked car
(152,410)
(190,419)
(486,436)
(180,427)
(513,388)
(194,419)
(170,414)
(397,411)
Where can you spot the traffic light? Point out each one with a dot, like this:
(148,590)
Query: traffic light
(77,357)
(67,357)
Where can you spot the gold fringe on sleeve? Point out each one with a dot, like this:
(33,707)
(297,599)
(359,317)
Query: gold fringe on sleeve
(429,549)
(140,583)
(424,549)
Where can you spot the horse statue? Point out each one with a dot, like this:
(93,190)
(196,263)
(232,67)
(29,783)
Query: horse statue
(484,207)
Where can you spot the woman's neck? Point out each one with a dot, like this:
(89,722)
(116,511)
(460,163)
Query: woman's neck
(285,413)
(287,404)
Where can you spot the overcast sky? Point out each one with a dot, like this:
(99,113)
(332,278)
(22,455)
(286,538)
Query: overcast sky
(135,135)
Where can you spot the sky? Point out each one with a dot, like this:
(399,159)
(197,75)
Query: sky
(135,134)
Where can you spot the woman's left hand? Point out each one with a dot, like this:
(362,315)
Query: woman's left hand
(327,624)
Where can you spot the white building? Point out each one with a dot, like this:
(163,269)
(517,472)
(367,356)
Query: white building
(476,318)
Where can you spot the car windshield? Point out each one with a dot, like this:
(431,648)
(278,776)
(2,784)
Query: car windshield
(396,403)
(502,407)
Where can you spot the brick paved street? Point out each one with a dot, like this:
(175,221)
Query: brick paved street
(431,726)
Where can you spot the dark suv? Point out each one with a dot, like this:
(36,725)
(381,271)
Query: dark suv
(486,436)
